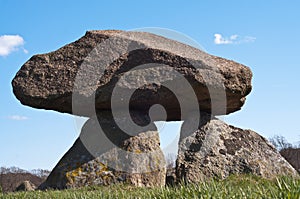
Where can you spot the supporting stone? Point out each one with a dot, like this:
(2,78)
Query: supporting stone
(217,150)
(104,154)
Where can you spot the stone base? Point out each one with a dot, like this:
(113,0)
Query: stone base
(95,160)
(216,150)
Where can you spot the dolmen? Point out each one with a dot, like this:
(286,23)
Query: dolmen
(124,81)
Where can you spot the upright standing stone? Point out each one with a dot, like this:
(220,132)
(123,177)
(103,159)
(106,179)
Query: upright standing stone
(104,154)
(217,150)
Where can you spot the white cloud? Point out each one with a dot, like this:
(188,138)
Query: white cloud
(17,117)
(10,43)
(233,39)
(220,40)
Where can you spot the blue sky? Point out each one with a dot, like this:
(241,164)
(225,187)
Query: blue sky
(264,35)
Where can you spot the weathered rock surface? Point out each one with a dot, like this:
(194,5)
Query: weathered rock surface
(92,66)
(112,156)
(26,186)
(218,150)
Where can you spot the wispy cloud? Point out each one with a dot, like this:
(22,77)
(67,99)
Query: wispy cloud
(10,43)
(17,117)
(233,39)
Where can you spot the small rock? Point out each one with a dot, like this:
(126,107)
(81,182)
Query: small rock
(26,186)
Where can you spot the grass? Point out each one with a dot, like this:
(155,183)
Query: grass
(243,186)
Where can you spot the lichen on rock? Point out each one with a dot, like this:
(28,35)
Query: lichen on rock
(217,150)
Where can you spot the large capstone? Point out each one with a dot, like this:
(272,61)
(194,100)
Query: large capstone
(140,69)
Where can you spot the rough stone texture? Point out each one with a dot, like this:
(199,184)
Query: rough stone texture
(47,80)
(26,186)
(218,150)
(111,158)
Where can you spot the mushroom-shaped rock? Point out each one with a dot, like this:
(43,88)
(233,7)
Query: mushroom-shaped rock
(111,69)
